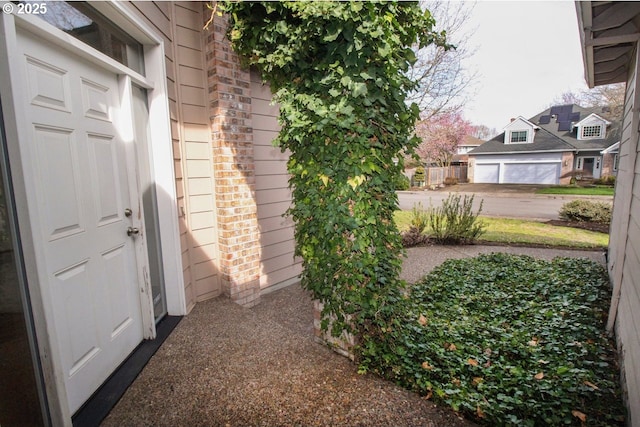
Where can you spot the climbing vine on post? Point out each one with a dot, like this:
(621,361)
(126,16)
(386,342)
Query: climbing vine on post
(337,70)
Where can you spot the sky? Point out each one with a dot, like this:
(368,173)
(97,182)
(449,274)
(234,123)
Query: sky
(526,54)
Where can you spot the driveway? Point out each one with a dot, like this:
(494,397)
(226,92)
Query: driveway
(225,365)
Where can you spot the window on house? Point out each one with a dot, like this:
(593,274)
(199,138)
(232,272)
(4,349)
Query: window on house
(83,22)
(518,136)
(592,131)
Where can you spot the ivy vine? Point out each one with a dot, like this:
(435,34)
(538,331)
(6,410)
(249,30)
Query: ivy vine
(338,72)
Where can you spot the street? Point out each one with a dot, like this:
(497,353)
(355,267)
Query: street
(525,205)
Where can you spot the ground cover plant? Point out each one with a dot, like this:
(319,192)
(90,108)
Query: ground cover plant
(506,340)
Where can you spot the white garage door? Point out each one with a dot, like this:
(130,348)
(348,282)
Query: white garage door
(487,173)
(531,173)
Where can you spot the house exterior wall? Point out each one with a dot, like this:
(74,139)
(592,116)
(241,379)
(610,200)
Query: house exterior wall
(624,248)
(608,165)
(567,167)
(180,24)
(231,183)
(277,265)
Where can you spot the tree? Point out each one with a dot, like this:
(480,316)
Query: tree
(443,81)
(608,97)
(338,71)
(483,132)
(440,135)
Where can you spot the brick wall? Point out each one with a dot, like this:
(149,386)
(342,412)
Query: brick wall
(568,160)
(229,91)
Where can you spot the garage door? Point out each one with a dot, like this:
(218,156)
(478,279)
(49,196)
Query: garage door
(531,173)
(487,173)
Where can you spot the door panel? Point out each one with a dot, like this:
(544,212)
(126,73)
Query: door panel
(487,173)
(82,189)
(531,173)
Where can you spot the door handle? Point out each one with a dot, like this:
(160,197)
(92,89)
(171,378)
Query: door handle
(132,230)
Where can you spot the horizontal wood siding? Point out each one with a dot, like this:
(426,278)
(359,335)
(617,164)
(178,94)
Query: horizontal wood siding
(624,248)
(180,26)
(196,149)
(273,197)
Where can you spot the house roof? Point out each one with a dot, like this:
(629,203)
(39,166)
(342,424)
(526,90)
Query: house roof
(551,136)
(469,140)
(608,33)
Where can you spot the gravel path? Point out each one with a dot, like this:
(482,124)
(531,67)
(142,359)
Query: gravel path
(225,365)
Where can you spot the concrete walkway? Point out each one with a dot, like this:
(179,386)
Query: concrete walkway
(422,260)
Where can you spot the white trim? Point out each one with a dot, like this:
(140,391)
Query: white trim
(124,118)
(501,153)
(58,37)
(612,149)
(161,155)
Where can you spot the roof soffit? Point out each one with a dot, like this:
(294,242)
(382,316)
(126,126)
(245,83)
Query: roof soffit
(609,32)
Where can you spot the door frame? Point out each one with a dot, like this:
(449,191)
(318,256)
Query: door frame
(160,155)
(597,164)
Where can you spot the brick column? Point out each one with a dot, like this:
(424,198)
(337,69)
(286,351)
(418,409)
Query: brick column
(234,171)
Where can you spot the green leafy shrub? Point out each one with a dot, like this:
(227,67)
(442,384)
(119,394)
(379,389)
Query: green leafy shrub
(507,340)
(418,176)
(609,180)
(402,183)
(586,211)
(451,180)
(454,222)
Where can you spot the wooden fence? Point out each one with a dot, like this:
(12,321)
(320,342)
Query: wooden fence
(436,176)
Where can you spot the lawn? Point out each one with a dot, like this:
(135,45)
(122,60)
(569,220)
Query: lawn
(514,231)
(577,191)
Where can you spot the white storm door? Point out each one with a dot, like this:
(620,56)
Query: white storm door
(82,189)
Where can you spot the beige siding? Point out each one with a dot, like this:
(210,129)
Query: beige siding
(180,25)
(273,197)
(624,248)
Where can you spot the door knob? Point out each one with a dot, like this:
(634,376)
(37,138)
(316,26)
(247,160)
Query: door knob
(132,230)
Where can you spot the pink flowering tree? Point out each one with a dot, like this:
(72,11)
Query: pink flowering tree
(441,134)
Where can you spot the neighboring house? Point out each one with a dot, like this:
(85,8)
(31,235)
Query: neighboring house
(609,34)
(139,179)
(548,148)
(461,157)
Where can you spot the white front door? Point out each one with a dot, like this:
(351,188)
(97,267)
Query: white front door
(83,189)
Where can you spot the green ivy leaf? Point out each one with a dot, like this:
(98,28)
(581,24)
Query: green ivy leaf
(359,90)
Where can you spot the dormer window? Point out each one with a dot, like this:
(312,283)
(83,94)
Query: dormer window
(592,131)
(518,136)
(592,127)
(519,131)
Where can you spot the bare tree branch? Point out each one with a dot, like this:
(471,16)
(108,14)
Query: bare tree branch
(444,84)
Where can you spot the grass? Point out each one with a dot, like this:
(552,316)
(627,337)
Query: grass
(577,191)
(514,231)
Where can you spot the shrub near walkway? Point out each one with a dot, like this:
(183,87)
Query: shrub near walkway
(507,340)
